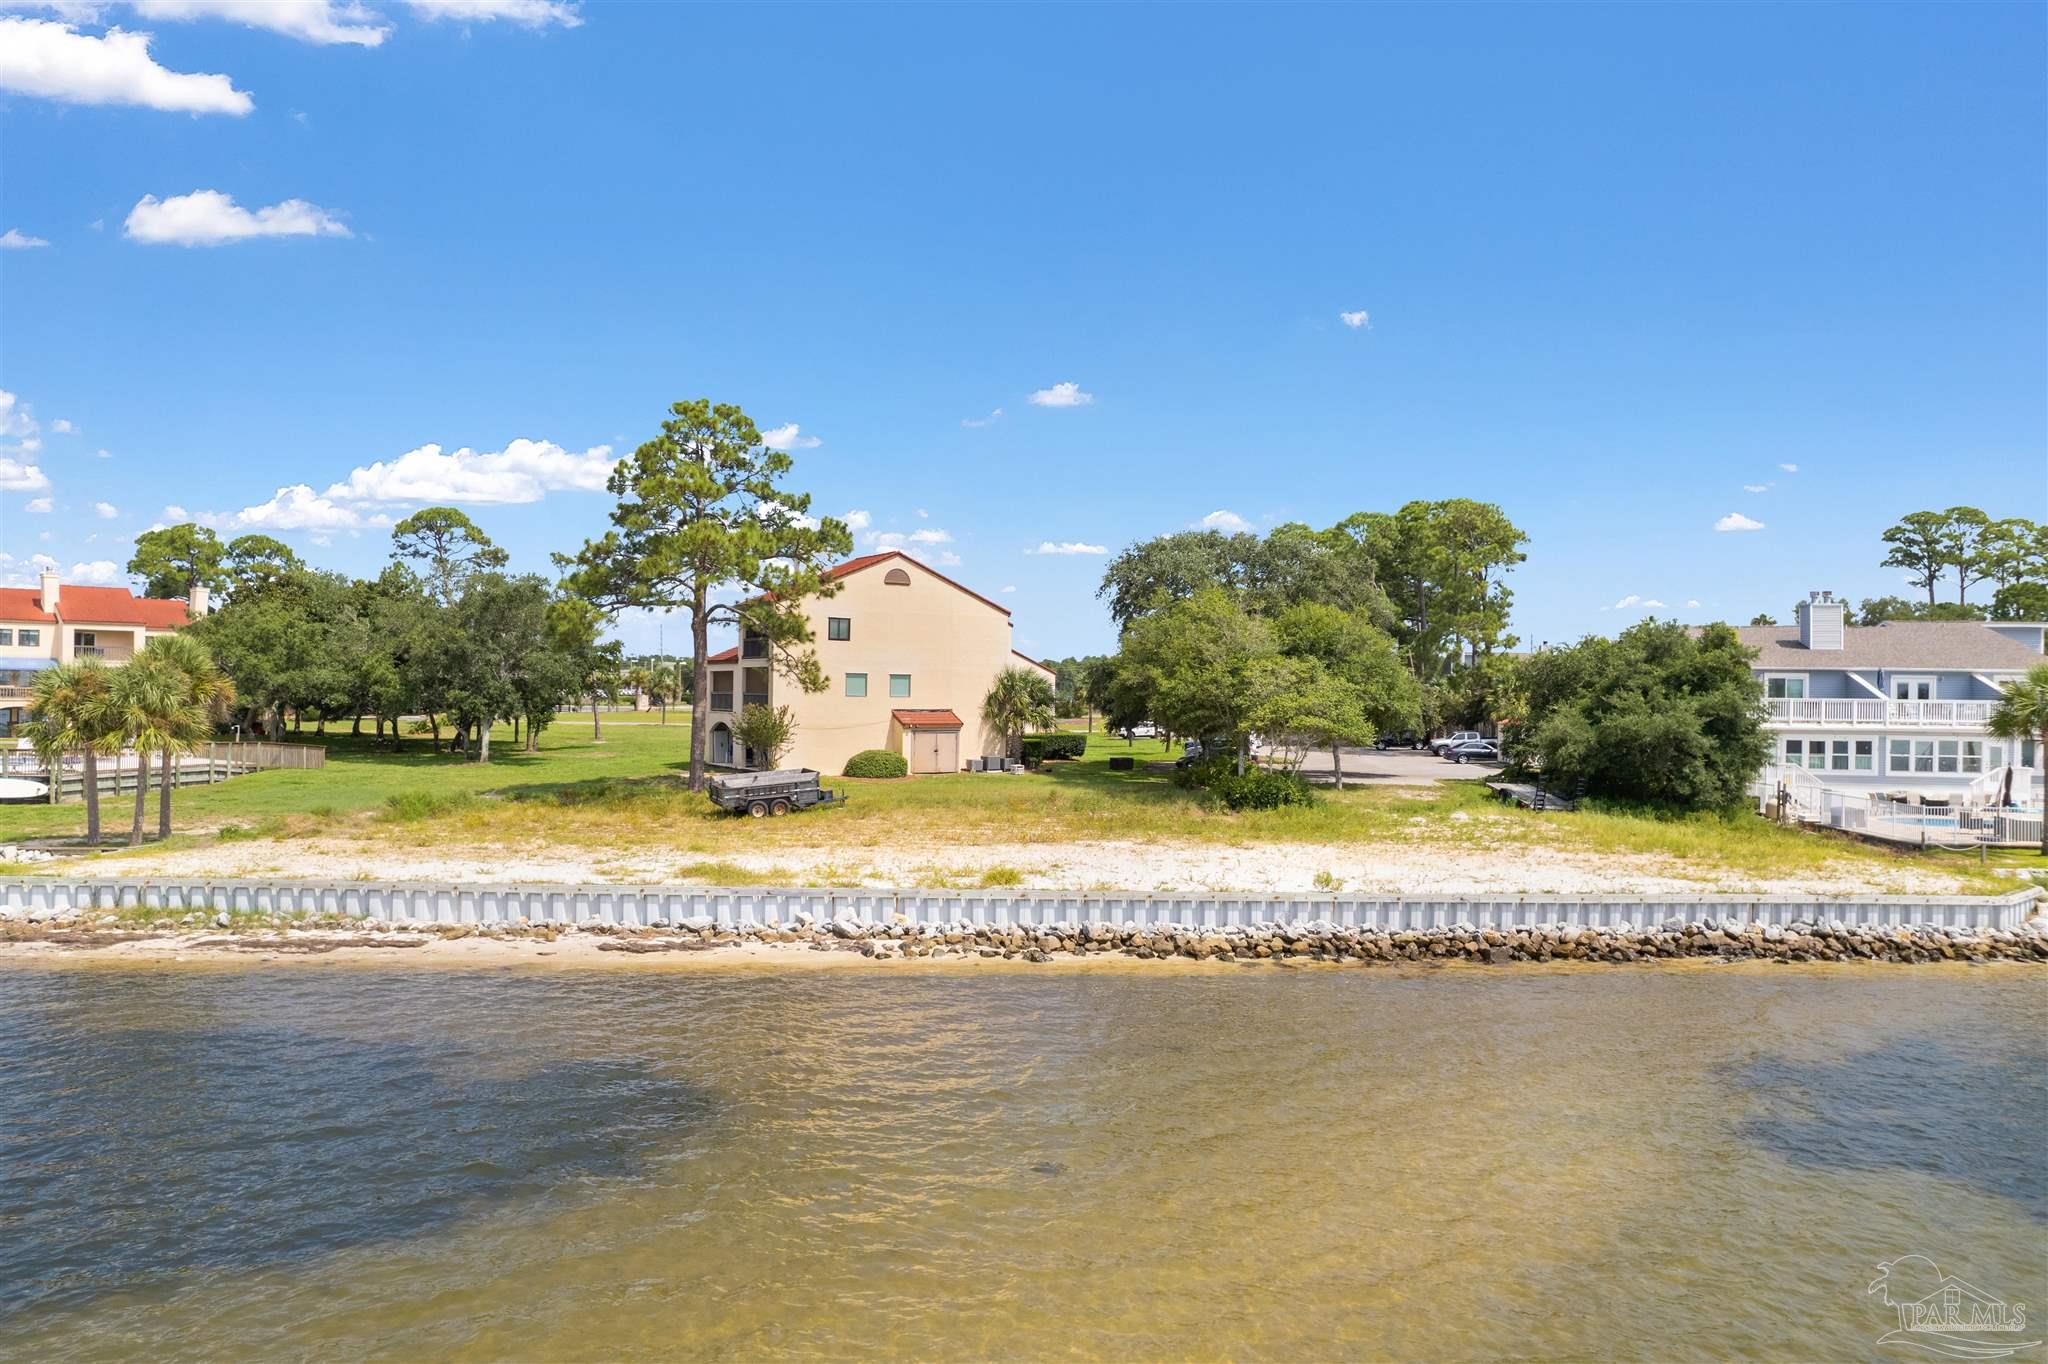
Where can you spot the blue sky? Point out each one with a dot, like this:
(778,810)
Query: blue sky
(1618,266)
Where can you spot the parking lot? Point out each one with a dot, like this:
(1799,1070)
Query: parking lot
(1395,767)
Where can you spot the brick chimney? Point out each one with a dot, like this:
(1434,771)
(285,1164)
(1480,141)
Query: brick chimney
(195,601)
(1822,620)
(47,599)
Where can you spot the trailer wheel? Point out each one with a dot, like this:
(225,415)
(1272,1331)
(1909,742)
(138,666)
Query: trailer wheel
(759,809)
(780,807)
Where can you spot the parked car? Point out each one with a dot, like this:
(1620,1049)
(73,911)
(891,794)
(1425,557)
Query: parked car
(1473,751)
(1144,729)
(1387,741)
(1463,736)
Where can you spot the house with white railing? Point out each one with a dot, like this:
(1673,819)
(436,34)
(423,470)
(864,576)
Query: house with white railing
(1899,709)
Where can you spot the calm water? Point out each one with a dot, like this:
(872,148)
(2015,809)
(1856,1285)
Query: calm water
(335,1162)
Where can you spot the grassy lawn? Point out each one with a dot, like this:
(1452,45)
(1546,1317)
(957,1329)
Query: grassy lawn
(629,794)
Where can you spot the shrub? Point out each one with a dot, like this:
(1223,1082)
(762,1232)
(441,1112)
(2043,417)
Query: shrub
(877,762)
(1002,876)
(1257,789)
(1037,748)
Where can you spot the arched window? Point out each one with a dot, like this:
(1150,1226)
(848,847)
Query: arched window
(896,577)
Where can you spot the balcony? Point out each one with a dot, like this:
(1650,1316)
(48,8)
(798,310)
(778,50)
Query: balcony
(755,698)
(1876,713)
(88,651)
(721,700)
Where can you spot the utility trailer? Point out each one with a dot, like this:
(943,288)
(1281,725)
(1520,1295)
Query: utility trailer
(762,794)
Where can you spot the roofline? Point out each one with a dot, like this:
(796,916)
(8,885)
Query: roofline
(1034,662)
(867,561)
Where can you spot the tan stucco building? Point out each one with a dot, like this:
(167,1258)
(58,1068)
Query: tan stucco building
(53,623)
(908,655)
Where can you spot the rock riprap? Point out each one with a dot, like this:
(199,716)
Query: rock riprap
(1816,941)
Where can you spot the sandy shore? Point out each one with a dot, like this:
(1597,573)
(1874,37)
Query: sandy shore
(1422,868)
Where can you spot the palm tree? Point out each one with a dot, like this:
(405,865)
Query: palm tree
(71,710)
(2022,713)
(157,716)
(207,690)
(1019,700)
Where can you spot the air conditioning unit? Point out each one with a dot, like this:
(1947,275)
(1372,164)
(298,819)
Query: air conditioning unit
(974,764)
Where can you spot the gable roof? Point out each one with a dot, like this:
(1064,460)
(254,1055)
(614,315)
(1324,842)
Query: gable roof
(725,655)
(1959,645)
(852,566)
(1044,667)
(94,606)
(21,603)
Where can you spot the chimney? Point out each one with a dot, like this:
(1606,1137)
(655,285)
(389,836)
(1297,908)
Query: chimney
(1821,621)
(195,601)
(48,599)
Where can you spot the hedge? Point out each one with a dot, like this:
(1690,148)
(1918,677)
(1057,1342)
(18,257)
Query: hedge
(877,762)
(1258,789)
(1065,744)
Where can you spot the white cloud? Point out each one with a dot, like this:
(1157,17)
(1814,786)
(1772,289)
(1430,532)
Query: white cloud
(1634,600)
(1224,520)
(981,421)
(61,427)
(1356,320)
(207,217)
(41,561)
(857,520)
(312,21)
(40,506)
(14,239)
(1692,604)
(524,471)
(1789,468)
(1062,395)
(1008,588)
(97,571)
(789,438)
(1737,521)
(105,454)
(297,508)
(106,511)
(16,477)
(526,13)
(1067,547)
(1756,487)
(174,512)
(55,61)
(20,434)
(922,513)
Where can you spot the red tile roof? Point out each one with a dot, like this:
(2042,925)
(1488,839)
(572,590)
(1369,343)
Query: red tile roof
(94,606)
(19,603)
(926,719)
(725,655)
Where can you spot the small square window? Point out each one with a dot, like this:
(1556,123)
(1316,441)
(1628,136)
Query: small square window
(856,684)
(838,627)
(1795,751)
(31,637)
(6,636)
(899,684)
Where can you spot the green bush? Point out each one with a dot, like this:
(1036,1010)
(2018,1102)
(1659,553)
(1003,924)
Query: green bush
(1037,748)
(877,762)
(1257,789)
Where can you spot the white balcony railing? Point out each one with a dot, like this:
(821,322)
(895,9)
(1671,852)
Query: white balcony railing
(1942,714)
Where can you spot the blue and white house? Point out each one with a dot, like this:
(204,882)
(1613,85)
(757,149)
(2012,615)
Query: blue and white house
(1897,710)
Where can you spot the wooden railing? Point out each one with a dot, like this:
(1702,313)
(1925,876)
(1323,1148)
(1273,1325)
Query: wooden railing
(203,766)
(1965,714)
